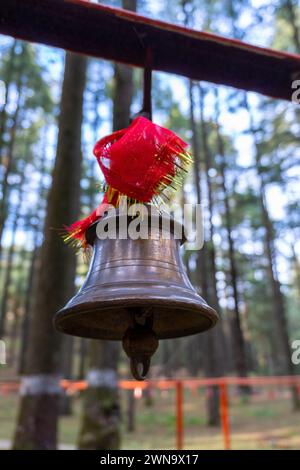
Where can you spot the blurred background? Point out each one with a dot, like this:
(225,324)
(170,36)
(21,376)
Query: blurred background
(53,108)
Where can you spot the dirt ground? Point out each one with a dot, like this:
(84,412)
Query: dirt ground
(264,421)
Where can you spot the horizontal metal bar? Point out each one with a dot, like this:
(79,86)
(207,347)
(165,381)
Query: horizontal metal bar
(122,36)
(259,381)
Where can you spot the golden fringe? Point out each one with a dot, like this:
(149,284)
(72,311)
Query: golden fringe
(164,193)
(165,190)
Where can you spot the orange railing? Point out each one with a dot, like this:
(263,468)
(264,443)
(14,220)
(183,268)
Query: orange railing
(179,385)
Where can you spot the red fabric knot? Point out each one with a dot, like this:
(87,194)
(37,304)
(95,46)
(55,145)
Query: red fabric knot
(141,162)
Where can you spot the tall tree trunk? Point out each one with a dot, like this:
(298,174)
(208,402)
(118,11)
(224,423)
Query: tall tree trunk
(7,280)
(296,267)
(100,422)
(11,251)
(9,161)
(83,347)
(27,308)
(40,390)
(123,85)
(211,357)
(18,303)
(239,351)
(67,373)
(7,82)
(36,230)
(13,337)
(131,410)
(291,9)
(280,323)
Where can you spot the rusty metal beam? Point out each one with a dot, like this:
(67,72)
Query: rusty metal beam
(122,36)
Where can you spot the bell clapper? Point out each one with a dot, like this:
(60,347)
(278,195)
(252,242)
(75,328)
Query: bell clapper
(140,343)
(139,369)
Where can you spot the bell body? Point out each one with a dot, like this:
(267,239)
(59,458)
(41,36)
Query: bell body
(128,279)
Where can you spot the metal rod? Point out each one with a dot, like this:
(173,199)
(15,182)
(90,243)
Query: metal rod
(147,85)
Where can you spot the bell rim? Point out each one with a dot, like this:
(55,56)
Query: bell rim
(104,306)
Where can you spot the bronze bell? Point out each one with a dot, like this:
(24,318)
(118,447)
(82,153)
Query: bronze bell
(136,291)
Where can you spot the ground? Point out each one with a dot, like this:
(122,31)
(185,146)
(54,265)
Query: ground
(264,422)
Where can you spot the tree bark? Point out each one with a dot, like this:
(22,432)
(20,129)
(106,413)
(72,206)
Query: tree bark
(67,373)
(25,323)
(31,277)
(130,411)
(40,391)
(123,85)
(292,15)
(9,162)
(83,347)
(239,351)
(7,81)
(7,280)
(296,266)
(100,422)
(211,349)
(280,319)
(11,251)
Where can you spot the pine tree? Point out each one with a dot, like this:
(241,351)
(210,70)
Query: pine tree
(100,421)
(40,390)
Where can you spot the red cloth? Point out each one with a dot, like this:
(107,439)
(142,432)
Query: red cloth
(138,162)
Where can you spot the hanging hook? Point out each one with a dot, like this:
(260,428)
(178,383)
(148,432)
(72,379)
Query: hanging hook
(147,85)
(135,366)
(140,343)
(146,110)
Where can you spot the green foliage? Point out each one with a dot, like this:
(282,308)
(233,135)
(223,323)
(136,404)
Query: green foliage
(28,73)
(274,137)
